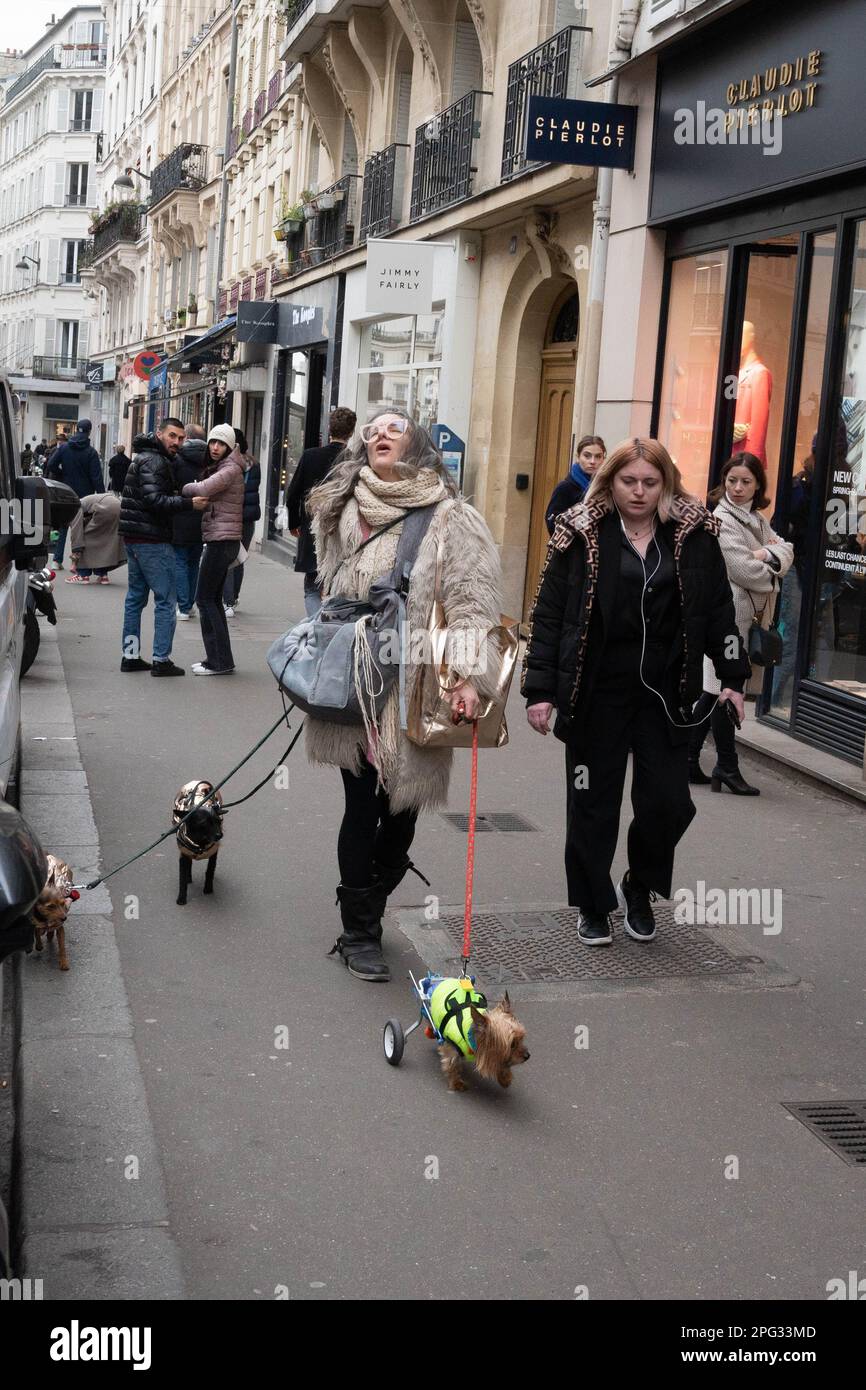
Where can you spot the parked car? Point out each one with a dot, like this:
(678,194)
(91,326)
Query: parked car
(29,507)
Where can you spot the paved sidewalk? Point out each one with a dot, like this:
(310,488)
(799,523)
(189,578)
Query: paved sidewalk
(320,1170)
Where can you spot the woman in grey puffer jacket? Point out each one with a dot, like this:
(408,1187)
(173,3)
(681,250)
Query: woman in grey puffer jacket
(222,523)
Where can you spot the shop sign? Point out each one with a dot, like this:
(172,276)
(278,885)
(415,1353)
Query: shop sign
(93,374)
(597,133)
(145,363)
(785,84)
(399,277)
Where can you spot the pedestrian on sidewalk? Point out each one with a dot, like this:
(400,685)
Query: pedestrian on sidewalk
(77,464)
(189,465)
(757,560)
(252,512)
(150,502)
(393,468)
(590,455)
(313,466)
(633,594)
(221,487)
(118,467)
(94,543)
(26,461)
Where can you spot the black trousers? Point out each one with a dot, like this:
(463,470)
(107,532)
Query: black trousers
(217,557)
(723,733)
(622,720)
(370,830)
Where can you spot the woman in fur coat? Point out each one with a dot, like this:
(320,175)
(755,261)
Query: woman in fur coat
(757,560)
(387,779)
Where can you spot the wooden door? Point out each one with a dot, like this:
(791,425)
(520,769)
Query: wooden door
(552,454)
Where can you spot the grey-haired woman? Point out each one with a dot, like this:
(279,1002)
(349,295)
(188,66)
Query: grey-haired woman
(392,468)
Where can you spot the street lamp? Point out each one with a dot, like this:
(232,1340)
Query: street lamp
(124,180)
(22,264)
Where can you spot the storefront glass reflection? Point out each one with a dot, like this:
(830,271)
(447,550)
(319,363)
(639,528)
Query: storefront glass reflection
(795,525)
(691,364)
(399,367)
(838,653)
(765,343)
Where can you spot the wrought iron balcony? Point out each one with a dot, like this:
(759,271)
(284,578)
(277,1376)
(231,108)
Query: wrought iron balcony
(444,150)
(124,224)
(70,277)
(550,70)
(384,174)
(185,169)
(85,255)
(259,107)
(261,284)
(62,368)
(76,200)
(59,56)
(222,301)
(247,123)
(333,229)
(234,141)
(293,9)
(274,88)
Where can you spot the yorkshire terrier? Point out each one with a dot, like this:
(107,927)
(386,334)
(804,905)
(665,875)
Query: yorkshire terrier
(199,836)
(493,1039)
(51,908)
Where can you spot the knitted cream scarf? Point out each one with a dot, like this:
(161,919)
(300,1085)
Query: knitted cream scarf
(379,502)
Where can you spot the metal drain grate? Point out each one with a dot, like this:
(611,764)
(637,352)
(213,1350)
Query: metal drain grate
(489,820)
(542,946)
(841,1125)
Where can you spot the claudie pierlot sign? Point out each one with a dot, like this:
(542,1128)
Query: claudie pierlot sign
(399,277)
(597,133)
(769,97)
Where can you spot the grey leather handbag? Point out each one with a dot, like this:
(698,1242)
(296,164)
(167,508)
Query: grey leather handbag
(341,665)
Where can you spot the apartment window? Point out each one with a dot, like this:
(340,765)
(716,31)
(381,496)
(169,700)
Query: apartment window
(82,111)
(400,364)
(68,342)
(76,185)
(69,260)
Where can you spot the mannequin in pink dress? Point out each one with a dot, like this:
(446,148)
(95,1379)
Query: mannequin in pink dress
(754,390)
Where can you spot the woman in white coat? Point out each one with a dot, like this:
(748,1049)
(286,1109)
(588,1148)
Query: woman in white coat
(757,559)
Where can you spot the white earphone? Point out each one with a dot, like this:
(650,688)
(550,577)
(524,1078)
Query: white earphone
(646,580)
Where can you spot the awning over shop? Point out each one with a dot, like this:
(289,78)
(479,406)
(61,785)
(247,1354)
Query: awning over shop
(200,348)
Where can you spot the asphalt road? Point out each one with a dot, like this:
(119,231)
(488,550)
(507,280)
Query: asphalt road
(602,1169)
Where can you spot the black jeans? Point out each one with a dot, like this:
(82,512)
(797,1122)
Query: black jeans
(627,718)
(217,557)
(235,577)
(723,734)
(370,830)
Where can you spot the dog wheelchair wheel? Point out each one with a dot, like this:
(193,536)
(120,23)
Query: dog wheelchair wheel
(393,1041)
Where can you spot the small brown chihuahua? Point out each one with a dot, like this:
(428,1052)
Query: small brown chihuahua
(52,908)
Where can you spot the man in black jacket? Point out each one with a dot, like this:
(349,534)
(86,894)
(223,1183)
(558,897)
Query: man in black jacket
(313,466)
(118,467)
(149,504)
(186,526)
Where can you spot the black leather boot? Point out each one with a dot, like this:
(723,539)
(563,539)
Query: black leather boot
(387,877)
(360,943)
(734,781)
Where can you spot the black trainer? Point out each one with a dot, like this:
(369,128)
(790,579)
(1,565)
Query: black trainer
(166,668)
(594,929)
(635,901)
(134,663)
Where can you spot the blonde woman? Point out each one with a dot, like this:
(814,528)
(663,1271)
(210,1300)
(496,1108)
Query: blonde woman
(357,514)
(633,595)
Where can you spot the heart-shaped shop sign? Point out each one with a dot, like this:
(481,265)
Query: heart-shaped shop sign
(145,363)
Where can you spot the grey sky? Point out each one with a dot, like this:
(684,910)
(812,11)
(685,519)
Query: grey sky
(24,24)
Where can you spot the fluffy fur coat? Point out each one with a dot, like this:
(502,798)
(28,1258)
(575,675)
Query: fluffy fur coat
(470,593)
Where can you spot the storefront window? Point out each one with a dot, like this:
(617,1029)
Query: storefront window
(795,526)
(400,365)
(838,652)
(691,364)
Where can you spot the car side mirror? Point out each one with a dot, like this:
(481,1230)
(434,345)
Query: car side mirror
(40,505)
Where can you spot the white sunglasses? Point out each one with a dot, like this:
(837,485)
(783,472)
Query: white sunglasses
(393,430)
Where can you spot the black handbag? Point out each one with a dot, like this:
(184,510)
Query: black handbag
(765,644)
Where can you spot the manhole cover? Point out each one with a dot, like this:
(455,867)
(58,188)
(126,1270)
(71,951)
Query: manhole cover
(841,1125)
(489,820)
(543,946)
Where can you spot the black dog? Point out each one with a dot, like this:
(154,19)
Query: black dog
(199,836)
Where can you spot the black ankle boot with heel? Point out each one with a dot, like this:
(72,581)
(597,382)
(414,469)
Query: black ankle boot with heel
(734,781)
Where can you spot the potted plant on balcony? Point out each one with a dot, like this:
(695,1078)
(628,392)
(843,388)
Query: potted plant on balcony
(338,193)
(325,201)
(291,222)
(308,202)
(192,307)
(180,317)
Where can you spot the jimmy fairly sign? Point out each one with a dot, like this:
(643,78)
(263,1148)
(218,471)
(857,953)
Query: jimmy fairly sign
(399,277)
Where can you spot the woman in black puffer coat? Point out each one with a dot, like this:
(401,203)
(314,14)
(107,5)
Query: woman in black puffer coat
(634,593)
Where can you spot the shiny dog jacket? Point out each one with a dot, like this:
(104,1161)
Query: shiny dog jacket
(192,794)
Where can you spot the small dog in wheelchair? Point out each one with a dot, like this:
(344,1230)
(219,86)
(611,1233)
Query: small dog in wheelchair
(199,836)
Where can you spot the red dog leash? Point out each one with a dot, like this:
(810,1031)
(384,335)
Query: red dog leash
(470,852)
